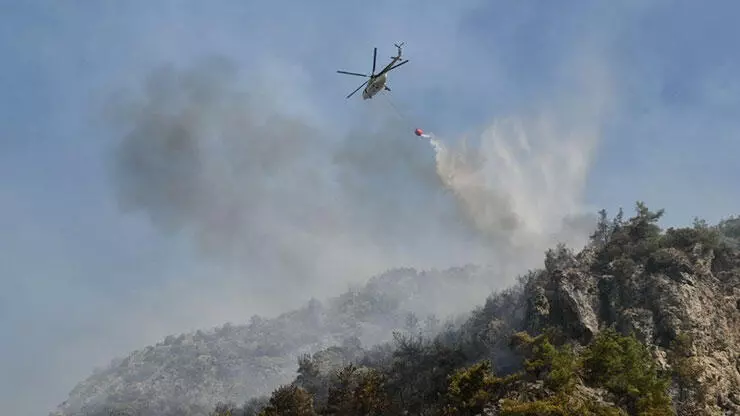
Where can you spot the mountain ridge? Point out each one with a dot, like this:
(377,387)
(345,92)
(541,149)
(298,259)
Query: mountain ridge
(191,371)
(638,309)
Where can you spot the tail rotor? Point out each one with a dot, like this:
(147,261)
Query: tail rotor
(398,46)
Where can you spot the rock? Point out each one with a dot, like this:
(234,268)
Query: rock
(538,308)
(639,321)
(569,302)
(675,293)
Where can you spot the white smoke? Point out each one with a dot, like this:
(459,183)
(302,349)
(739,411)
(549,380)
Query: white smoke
(523,184)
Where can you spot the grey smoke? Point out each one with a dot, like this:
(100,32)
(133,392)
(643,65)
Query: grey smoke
(298,211)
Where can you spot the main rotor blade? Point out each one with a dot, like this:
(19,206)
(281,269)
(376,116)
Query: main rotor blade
(394,67)
(358,88)
(388,68)
(375,55)
(353,73)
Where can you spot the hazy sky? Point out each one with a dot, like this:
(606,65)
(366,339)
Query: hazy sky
(166,165)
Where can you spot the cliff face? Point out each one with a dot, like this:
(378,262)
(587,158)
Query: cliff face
(679,294)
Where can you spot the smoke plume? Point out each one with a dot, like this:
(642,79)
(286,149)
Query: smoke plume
(522,184)
(289,205)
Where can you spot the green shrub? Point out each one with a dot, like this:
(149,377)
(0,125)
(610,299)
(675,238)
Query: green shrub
(623,268)
(625,367)
(686,238)
(556,366)
(634,239)
(730,228)
(663,261)
(289,400)
(540,407)
(471,389)
(559,405)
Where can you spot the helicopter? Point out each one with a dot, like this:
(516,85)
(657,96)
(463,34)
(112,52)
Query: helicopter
(377,82)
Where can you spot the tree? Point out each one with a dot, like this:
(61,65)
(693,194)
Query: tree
(289,400)
(730,228)
(557,366)
(225,409)
(471,389)
(686,371)
(254,406)
(411,323)
(371,398)
(618,221)
(357,391)
(625,367)
(644,224)
(341,389)
(601,235)
(634,239)
(560,257)
(309,375)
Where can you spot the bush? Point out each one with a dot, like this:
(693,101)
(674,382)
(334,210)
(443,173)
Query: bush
(634,239)
(557,366)
(550,407)
(560,257)
(692,395)
(686,238)
(665,261)
(358,391)
(225,409)
(730,228)
(559,405)
(472,388)
(289,400)
(623,268)
(254,406)
(370,396)
(625,367)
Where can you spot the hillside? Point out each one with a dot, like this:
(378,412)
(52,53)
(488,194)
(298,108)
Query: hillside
(190,373)
(642,321)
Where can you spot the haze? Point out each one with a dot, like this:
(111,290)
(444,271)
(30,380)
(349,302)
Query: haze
(168,166)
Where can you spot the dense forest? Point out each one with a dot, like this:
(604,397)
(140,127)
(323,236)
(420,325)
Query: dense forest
(641,321)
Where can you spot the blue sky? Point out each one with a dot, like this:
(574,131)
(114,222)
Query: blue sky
(83,280)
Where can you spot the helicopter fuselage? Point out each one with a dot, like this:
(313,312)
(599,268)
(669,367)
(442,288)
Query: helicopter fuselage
(376,83)
(375,86)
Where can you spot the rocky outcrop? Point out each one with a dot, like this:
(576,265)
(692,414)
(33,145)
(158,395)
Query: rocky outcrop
(675,293)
